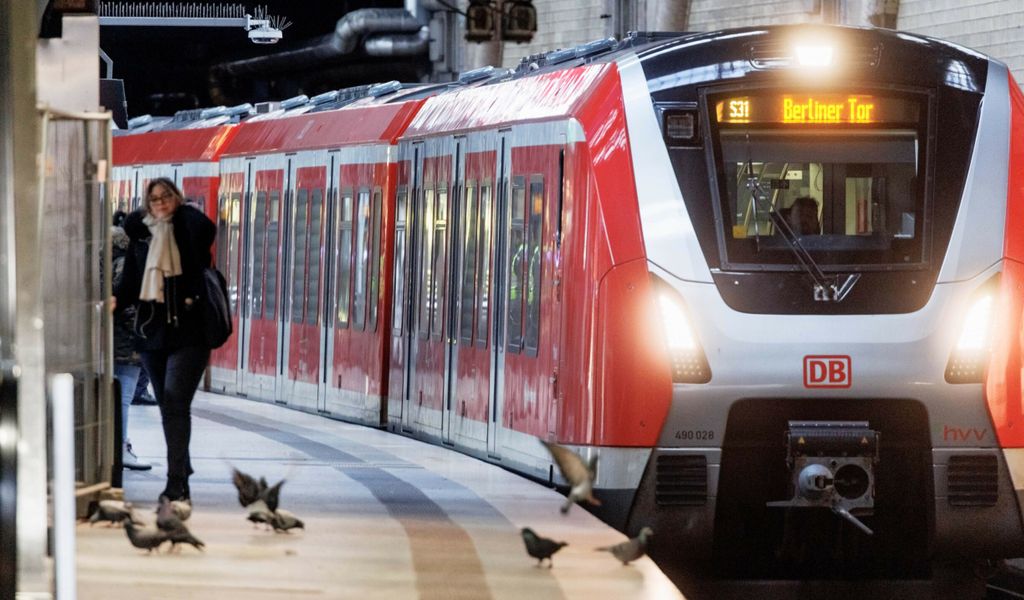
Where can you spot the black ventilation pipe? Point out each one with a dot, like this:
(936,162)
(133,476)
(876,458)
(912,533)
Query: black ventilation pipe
(391,31)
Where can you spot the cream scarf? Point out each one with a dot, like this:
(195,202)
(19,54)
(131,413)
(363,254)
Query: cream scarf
(163,259)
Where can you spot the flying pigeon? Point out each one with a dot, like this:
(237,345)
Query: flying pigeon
(540,547)
(283,520)
(147,539)
(632,548)
(248,489)
(271,494)
(113,512)
(580,475)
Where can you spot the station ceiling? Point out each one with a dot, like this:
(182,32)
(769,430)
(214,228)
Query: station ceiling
(167,69)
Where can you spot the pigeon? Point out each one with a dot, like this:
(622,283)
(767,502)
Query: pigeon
(248,489)
(632,548)
(540,547)
(179,508)
(271,494)
(580,475)
(113,512)
(147,539)
(182,535)
(283,520)
(259,513)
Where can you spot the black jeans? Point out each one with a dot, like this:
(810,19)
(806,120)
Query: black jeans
(175,375)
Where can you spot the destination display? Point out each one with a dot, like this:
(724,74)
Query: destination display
(815,109)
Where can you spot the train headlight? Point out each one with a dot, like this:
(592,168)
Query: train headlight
(689,365)
(977,331)
(818,55)
(970,356)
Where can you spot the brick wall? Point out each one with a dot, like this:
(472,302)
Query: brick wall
(561,24)
(994,27)
(712,15)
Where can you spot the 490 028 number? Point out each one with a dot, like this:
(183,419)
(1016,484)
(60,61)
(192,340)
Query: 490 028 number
(695,434)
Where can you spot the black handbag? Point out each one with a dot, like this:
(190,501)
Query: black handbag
(217,325)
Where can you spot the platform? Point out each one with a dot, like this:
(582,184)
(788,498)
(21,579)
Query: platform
(386,517)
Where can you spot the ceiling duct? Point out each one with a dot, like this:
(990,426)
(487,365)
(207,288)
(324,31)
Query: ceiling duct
(382,31)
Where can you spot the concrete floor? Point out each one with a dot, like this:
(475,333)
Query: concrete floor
(386,517)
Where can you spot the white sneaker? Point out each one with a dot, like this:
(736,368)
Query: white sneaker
(130,461)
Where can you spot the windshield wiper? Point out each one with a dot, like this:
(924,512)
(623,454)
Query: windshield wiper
(826,289)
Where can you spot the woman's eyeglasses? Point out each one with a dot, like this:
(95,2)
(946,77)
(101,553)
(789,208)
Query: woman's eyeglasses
(167,197)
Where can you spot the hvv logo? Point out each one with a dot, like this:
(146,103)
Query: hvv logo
(828,372)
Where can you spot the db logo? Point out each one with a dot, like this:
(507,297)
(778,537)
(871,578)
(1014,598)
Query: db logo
(827,372)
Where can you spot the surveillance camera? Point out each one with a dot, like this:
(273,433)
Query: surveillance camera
(264,35)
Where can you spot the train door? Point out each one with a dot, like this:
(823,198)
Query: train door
(327,305)
(451,291)
(301,336)
(226,361)
(415,232)
(263,275)
(499,272)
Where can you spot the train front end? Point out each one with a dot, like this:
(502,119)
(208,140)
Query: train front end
(832,219)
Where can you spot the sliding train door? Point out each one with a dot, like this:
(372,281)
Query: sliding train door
(226,362)
(408,262)
(499,285)
(449,289)
(266,205)
(301,364)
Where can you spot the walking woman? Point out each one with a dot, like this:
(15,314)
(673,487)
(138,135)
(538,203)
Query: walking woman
(169,246)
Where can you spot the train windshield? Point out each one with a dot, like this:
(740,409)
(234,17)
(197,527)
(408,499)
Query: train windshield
(844,171)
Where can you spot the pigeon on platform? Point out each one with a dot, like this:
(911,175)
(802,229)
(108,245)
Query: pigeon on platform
(147,539)
(540,547)
(182,509)
(283,520)
(113,512)
(259,513)
(578,474)
(181,535)
(632,548)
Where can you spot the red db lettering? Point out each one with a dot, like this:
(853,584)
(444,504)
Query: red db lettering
(827,372)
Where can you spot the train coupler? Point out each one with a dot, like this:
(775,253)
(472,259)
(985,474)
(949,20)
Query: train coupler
(832,465)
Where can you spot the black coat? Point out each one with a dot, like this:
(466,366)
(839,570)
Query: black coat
(176,323)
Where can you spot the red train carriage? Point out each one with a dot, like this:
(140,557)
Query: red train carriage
(305,224)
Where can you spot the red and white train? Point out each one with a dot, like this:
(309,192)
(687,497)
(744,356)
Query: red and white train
(772,277)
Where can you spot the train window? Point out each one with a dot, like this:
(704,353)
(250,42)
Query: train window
(316,203)
(273,247)
(362,242)
(534,257)
(344,258)
(467,308)
(398,307)
(516,264)
(437,296)
(227,245)
(299,249)
(843,172)
(375,259)
(259,248)
(424,264)
(484,270)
